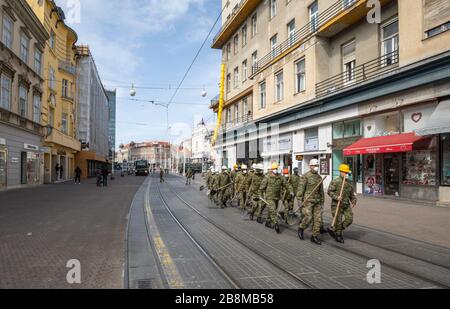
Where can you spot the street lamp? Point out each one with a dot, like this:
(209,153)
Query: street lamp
(132,91)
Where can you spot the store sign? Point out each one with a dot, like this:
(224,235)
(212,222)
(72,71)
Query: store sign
(14,160)
(2,141)
(31,147)
(417,118)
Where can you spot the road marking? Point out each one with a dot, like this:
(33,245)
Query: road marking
(169,267)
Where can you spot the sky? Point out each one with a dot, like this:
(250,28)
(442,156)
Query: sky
(151,43)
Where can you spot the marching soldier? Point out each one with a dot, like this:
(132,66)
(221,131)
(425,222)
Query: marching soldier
(214,185)
(342,193)
(240,186)
(272,187)
(286,194)
(233,174)
(312,187)
(208,178)
(224,187)
(254,183)
(294,182)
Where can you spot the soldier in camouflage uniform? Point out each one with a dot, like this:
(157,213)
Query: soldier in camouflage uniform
(293,184)
(208,178)
(233,174)
(254,183)
(214,182)
(272,188)
(312,209)
(224,187)
(241,186)
(347,200)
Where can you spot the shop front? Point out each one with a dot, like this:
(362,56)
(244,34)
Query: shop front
(3,163)
(400,165)
(278,149)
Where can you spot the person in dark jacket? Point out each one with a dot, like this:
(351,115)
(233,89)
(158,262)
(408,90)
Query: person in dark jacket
(98,174)
(161,176)
(105,176)
(78,175)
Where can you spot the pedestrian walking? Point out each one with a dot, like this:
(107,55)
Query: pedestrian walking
(105,176)
(61,172)
(343,199)
(312,189)
(78,175)
(161,176)
(98,174)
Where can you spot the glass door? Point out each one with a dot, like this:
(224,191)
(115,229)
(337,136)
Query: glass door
(3,160)
(392,174)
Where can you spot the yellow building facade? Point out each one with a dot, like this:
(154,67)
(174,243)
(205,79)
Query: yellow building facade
(59,105)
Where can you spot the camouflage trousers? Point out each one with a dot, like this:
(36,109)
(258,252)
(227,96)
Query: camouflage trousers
(342,225)
(272,216)
(242,198)
(223,197)
(312,214)
(288,203)
(255,204)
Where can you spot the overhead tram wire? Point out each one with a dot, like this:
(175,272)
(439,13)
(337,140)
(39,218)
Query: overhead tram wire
(198,54)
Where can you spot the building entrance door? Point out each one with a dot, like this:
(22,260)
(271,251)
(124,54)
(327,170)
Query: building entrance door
(392,174)
(3,160)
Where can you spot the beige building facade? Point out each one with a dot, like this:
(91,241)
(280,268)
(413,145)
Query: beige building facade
(308,79)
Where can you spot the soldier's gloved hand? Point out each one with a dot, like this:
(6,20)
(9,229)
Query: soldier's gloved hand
(339,199)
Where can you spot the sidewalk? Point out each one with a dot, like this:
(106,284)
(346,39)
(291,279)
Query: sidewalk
(413,220)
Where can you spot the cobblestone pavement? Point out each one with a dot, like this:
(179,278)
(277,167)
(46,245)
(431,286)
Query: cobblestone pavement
(42,228)
(256,257)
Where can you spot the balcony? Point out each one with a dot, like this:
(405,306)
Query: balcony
(238,16)
(336,18)
(237,122)
(58,138)
(215,102)
(363,73)
(67,67)
(68,96)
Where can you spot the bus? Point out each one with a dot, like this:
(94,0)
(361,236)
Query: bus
(142,168)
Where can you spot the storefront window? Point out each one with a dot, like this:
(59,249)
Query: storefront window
(32,168)
(347,129)
(338,130)
(445,148)
(419,166)
(3,160)
(373,174)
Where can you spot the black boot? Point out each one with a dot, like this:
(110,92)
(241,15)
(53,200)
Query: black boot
(340,239)
(259,220)
(332,233)
(277,228)
(268,224)
(316,240)
(323,230)
(301,234)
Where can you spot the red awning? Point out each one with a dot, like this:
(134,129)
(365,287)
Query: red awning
(383,144)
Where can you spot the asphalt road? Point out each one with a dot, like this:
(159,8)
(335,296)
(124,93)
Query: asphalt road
(43,228)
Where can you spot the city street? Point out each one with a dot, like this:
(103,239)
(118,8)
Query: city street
(175,238)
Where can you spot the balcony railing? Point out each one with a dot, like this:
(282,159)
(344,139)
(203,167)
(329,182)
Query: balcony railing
(237,122)
(359,74)
(215,101)
(230,18)
(66,66)
(305,32)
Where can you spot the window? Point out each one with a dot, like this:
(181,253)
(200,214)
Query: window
(254,25)
(291,32)
(390,42)
(435,14)
(228,82)
(445,159)
(244,35)
(349,62)
(23,101)
(52,39)
(37,108)
(254,62)
(229,116)
(438,30)
(273,44)
(51,80)
(262,95)
(65,88)
(38,61)
(245,107)
(300,76)
(244,70)
(7,37)
(313,16)
(228,51)
(312,139)
(236,77)
(273,8)
(24,42)
(64,123)
(279,86)
(236,113)
(5,100)
(347,129)
(236,44)
(51,117)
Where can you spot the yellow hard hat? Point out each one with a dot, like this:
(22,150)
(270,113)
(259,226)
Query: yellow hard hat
(344,168)
(235,166)
(274,166)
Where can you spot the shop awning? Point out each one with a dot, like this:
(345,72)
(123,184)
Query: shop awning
(383,144)
(439,121)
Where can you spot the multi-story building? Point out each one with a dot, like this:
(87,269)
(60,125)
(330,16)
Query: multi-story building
(201,145)
(112,98)
(158,154)
(21,87)
(93,115)
(59,106)
(341,81)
